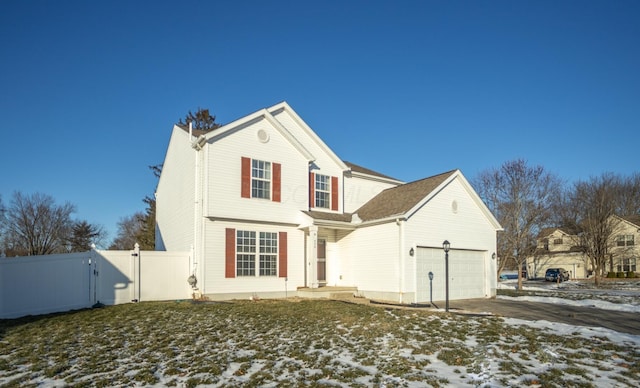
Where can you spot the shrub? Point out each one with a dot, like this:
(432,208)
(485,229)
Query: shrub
(631,274)
(620,275)
(611,274)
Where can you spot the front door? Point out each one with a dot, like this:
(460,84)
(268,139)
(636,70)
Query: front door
(322,261)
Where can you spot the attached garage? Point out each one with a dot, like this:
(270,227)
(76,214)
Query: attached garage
(467,274)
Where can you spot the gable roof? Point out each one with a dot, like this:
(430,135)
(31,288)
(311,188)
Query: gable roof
(546,232)
(363,170)
(633,219)
(399,200)
(262,114)
(284,107)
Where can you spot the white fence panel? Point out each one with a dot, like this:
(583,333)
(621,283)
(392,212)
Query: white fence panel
(163,275)
(45,284)
(53,283)
(115,283)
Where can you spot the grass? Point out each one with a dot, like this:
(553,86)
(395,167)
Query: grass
(298,343)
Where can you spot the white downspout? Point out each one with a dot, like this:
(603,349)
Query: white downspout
(195,203)
(400,224)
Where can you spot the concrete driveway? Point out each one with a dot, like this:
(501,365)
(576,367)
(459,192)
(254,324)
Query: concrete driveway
(623,322)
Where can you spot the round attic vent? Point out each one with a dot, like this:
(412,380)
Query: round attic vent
(454,206)
(263,136)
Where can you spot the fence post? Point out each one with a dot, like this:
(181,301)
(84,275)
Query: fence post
(136,273)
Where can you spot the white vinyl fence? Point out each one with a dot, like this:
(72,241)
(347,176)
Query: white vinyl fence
(54,283)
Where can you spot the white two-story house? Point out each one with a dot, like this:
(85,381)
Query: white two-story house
(268,208)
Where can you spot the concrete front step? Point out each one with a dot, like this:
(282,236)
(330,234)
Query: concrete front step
(327,292)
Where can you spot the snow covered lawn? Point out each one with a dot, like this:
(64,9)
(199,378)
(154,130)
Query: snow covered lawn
(306,343)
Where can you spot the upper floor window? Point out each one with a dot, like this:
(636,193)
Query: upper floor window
(625,240)
(557,241)
(323,191)
(260,179)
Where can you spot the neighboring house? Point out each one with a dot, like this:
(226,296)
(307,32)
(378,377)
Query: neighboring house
(558,248)
(268,208)
(626,251)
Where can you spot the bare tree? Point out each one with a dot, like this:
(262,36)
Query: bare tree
(36,225)
(521,198)
(594,208)
(129,228)
(628,196)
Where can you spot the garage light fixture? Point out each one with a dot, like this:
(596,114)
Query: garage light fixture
(446,246)
(493,256)
(411,252)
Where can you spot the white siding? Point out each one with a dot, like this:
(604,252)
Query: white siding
(218,286)
(324,163)
(175,195)
(224,176)
(465,227)
(370,258)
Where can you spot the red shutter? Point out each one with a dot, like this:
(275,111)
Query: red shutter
(334,193)
(230,253)
(282,254)
(277,167)
(246,177)
(312,189)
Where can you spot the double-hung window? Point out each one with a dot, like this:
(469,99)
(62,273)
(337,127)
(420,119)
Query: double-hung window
(260,179)
(323,191)
(625,240)
(627,264)
(256,256)
(245,253)
(268,253)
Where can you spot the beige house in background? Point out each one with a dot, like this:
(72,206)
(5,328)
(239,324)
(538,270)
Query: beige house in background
(560,248)
(626,252)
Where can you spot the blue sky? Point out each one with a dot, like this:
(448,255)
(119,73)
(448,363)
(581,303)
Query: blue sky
(89,90)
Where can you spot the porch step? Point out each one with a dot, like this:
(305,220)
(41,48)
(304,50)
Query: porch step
(341,293)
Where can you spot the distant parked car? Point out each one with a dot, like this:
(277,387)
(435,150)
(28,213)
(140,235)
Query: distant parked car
(555,274)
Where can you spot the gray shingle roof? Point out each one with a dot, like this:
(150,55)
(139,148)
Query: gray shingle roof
(343,217)
(634,219)
(364,170)
(399,200)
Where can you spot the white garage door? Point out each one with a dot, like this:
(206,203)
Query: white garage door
(466,274)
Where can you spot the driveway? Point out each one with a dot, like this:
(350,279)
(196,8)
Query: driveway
(623,322)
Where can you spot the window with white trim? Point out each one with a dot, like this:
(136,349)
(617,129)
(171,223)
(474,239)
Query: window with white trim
(625,240)
(628,264)
(251,261)
(268,253)
(260,179)
(245,253)
(323,191)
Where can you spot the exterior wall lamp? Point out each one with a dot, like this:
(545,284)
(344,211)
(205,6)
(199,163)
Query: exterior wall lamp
(493,256)
(446,246)
(411,252)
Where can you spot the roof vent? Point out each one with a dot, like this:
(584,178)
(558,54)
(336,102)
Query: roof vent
(263,136)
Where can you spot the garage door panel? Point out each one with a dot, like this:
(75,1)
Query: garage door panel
(466,274)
